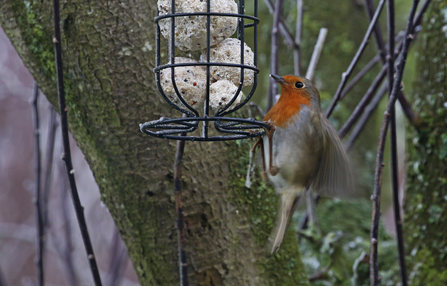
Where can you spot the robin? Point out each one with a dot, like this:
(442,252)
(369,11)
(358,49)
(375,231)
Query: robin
(302,150)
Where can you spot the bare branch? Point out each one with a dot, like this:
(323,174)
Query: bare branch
(273,90)
(345,75)
(52,126)
(118,259)
(408,111)
(66,143)
(287,35)
(38,194)
(316,54)
(364,118)
(296,50)
(363,103)
(360,75)
(374,271)
(393,143)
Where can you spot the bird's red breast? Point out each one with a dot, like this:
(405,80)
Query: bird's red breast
(288,105)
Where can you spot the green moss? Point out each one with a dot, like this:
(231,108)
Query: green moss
(36,37)
(425,207)
(260,202)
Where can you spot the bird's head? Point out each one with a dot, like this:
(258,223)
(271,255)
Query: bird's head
(299,89)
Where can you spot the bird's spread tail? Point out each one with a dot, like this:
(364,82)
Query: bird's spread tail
(287,206)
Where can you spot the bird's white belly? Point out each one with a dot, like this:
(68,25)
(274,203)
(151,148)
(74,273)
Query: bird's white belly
(296,152)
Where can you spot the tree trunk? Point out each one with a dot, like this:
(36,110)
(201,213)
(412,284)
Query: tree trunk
(426,201)
(108,52)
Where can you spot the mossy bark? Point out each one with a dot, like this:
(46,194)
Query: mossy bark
(426,200)
(108,60)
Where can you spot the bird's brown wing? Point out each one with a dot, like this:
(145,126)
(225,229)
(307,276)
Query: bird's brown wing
(333,177)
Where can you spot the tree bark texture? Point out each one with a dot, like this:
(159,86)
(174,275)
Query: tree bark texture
(108,52)
(426,201)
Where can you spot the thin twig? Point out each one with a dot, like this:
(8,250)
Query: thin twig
(369,6)
(365,117)
(305,220)
(316,54)
(60,250)
(363,103)
(360,75)
(38,194)
(285,32)
(181,234)
(374,271)
(52,127)
(2,280)
(299,24)
(393,145)
(257,108)
(345,75)
(117,261)
(408,111)
(361,106)
(311,207)
(273,91)
(66,252)
(66,143)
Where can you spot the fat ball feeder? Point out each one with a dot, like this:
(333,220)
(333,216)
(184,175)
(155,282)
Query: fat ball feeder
(212,84)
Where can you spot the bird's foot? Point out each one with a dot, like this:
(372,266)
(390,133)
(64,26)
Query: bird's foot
(273,170)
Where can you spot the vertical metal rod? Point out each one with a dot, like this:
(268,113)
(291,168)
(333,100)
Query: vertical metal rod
(178,164)
(393,143)
(67,154)
(208,73)
(296,50)
(374,233)
(241,37)
(38,193)
(255,32)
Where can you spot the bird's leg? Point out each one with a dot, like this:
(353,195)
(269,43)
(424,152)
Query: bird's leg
(260,143)
(272,169)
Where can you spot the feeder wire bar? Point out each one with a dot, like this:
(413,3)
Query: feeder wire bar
(181,237)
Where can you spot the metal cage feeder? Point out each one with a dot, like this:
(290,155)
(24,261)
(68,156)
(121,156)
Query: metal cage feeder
(231,128)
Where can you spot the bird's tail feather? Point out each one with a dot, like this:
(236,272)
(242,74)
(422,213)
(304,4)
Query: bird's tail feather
(287,206)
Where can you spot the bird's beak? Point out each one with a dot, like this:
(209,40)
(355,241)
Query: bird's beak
(278,78)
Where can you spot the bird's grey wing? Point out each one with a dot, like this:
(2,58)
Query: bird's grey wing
(333,177)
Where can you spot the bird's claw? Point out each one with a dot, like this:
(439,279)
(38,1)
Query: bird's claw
(273,170)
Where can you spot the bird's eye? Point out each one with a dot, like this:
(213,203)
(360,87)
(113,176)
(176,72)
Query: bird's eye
(299,84)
